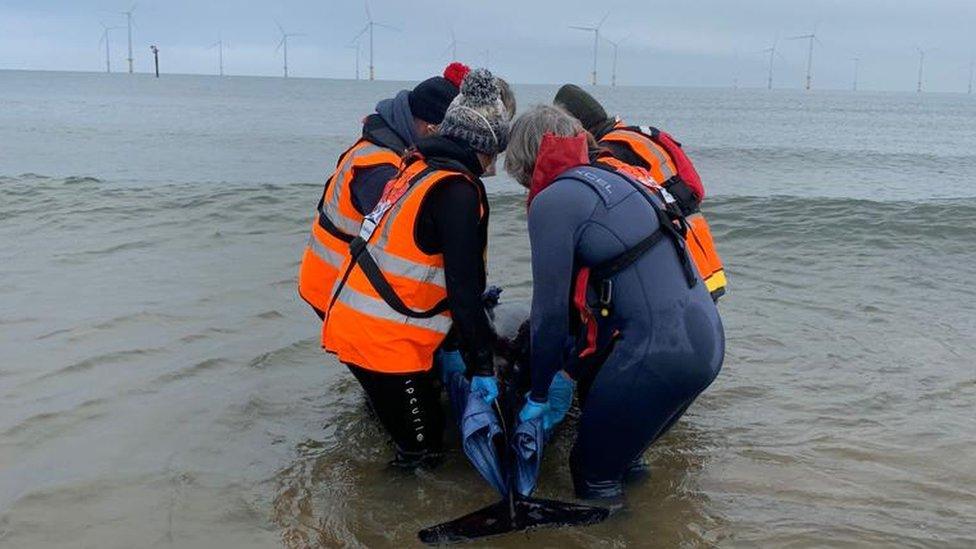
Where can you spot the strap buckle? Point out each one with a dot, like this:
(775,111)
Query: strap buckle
(369,226)
(667,196)
(606,292)
(606,297)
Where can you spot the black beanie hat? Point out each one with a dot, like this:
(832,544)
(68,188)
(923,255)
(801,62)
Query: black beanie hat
(582,106)
(429,100)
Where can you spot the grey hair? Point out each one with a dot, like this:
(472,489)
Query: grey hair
(507,96)
(526,136)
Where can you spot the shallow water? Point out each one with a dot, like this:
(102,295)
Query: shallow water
(160,382)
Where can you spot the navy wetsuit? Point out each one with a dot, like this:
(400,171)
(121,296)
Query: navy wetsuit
(671,343)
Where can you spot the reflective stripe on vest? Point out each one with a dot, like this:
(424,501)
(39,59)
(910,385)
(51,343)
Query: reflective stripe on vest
(660,165)
(325,251)
(337,204)
(360,326)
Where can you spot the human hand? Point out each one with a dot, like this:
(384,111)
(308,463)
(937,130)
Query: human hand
(532,410)
(451,363)
(486,385)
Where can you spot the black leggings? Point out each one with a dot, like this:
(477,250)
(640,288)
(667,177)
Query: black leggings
(409,407)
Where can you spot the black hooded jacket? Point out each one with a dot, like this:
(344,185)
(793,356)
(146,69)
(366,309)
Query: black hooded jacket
(449,224)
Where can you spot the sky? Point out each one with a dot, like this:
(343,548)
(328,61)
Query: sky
(674,43)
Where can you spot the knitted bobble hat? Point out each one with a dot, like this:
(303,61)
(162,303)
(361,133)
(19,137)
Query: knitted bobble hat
(477,115)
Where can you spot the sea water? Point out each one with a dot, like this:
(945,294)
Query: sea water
(161,382)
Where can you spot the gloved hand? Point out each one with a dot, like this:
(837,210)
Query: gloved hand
(451,363)
(486,385)
(560,399)
(532,410)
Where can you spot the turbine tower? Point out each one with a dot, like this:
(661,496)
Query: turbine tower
(452,46)
(219,44)
(369,27)
(283,44)
(105,39)
(857,62)
(356,47)
(972,65)
(921,66)
(613,72)
(811,37)
(128,21)
(596,41)
(772,55)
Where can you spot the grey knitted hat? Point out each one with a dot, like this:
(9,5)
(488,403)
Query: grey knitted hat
(477,115)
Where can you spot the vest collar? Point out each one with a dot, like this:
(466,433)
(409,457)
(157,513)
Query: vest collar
(448,153)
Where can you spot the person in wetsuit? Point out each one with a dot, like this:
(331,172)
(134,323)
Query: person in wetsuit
(655,323)
(419,293)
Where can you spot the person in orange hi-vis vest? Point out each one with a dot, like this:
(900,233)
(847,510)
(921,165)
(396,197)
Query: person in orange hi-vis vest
(411,288)
(362,172)
(657,153)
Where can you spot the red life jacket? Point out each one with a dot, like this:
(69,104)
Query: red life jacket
(636,138)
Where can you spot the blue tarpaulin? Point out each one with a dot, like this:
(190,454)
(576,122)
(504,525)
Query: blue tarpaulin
(479,424)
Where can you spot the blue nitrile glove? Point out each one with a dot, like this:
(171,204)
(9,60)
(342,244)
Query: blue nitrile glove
(451,363)
(532,410)
(486,385)
(560,399)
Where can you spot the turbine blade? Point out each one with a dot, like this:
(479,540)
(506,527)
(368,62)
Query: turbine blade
(280,43)
(600,24)
(280,28)
(385,26)
(362,32)
(582,28)
(369,14)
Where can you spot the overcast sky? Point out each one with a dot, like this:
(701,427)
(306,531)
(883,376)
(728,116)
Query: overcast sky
(673,43)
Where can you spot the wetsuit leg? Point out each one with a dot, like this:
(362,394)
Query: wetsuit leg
(409,407)
(631,404)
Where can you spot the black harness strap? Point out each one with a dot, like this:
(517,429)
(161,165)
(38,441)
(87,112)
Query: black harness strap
(330,227)
(382,286)
(604,271)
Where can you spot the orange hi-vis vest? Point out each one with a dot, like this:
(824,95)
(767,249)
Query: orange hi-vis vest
(659,163)
(336,223)
(698,237)
(389,310)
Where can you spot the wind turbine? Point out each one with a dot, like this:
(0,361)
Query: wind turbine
(811,37)
(105,38)
(219,44)
(284,43)
(452,47)
(613,72)
(857,62)
(772,55)
(735,70)
(128,21)
(369,27)
(596,40)
(356,47)
(972,65)
(921,65)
